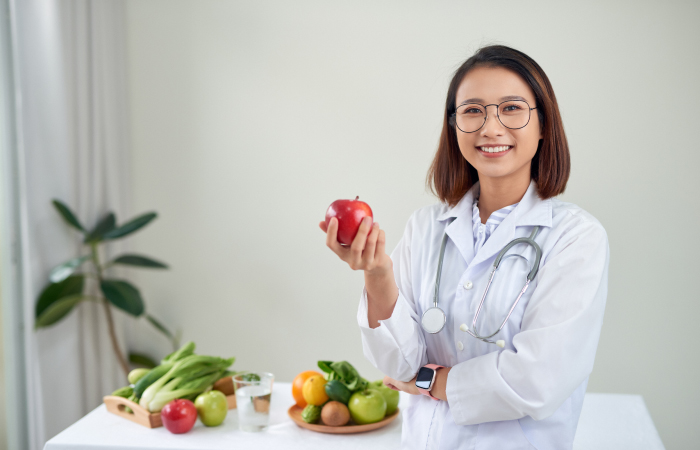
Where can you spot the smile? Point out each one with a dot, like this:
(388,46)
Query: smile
(502,148)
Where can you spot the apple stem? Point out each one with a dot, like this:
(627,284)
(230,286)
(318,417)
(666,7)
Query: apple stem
(357,198)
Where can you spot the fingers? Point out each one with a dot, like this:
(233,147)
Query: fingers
(359,243)
(366,249)
(381,244)
(368,256)
(390,383)
(332,238)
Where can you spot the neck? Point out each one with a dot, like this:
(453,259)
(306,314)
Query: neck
(497,193)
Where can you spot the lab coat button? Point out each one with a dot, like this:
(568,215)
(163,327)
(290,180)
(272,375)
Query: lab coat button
(460,346)
(468,285)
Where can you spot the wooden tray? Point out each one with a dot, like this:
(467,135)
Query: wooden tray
(295,414)
(117,405)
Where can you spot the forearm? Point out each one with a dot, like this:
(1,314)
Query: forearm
(439,389)
(382,294)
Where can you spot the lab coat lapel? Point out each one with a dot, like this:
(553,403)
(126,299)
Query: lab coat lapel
(531,211)
(460,230)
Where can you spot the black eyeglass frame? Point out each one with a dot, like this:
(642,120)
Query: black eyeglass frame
(453,116)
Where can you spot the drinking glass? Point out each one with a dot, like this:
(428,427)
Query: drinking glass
(253,395)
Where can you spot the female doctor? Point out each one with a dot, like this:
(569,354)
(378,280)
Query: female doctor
(501,159)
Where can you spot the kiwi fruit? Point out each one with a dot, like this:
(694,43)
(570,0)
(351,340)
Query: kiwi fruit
(335,414)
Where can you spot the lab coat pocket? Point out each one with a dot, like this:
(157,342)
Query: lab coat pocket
(505,435)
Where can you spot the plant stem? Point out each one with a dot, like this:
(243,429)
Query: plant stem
(113,337)
(108,311)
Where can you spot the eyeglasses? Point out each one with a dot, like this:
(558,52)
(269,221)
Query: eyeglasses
(513,114)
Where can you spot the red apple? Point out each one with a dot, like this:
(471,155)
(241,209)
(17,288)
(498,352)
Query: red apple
(349,214)
(179,416)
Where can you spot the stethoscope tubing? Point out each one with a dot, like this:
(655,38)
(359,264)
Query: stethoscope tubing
(501,256)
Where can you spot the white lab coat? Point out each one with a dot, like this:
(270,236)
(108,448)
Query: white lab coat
(529,394)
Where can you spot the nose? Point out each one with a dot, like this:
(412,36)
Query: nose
(492,126)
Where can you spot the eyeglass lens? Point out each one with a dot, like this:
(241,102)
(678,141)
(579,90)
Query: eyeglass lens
(512,114)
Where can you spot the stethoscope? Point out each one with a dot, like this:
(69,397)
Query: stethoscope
(434,318)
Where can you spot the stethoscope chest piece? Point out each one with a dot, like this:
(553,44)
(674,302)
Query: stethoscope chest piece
(433,320)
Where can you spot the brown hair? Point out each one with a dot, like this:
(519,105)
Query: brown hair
(450,175)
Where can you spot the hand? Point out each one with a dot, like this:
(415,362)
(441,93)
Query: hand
(403,386)
(439,389)
(367,251)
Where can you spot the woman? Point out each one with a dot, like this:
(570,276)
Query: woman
(501,159)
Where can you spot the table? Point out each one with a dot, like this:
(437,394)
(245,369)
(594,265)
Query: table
(608,421)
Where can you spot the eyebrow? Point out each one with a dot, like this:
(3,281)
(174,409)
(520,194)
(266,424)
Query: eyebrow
(502,99)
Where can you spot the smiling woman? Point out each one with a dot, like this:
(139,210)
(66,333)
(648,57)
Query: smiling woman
(516,87)
(428,327)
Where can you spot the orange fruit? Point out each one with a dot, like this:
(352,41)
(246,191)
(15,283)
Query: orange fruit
(314,390)
(298,384)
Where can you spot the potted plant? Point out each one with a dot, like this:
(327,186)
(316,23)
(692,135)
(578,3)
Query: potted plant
(67,287)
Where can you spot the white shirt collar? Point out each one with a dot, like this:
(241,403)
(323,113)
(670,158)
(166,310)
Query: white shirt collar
(531,210)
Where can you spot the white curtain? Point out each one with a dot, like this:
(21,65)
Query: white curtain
(72,145)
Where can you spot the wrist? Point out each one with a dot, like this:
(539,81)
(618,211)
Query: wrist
(439,389)
(382,294)
(381,271)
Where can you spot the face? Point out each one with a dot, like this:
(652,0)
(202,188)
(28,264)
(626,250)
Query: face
(491,86)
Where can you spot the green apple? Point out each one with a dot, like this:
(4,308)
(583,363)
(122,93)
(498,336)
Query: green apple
(367,406)
(391,396)
(211,407)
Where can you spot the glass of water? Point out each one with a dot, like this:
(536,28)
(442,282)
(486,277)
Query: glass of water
(253,395)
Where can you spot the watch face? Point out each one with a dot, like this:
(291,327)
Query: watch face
(424,378)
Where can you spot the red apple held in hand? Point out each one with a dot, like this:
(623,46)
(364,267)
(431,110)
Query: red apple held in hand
(179,416)
(349,214)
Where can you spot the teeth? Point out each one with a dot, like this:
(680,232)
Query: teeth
(502,148)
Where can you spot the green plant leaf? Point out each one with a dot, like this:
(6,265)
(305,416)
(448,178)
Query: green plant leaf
(141,261)
(325,366)
(58,310)
(142,360)
(105,225)
(63,271)
(54,291)
(123,295)
(68,215)
(159,326)
(130,226)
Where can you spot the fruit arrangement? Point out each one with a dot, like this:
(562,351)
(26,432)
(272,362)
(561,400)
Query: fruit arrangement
(340,396)
(180,389)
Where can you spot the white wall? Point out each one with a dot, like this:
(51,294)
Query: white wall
(250,118)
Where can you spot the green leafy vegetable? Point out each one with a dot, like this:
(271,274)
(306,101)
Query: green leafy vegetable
(190,375)
(125,392)
(344,372)
(185,350)
(250,377)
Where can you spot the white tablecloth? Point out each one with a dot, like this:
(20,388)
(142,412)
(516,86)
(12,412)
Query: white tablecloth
(608,421)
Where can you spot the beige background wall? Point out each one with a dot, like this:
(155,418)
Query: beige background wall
(250,118)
